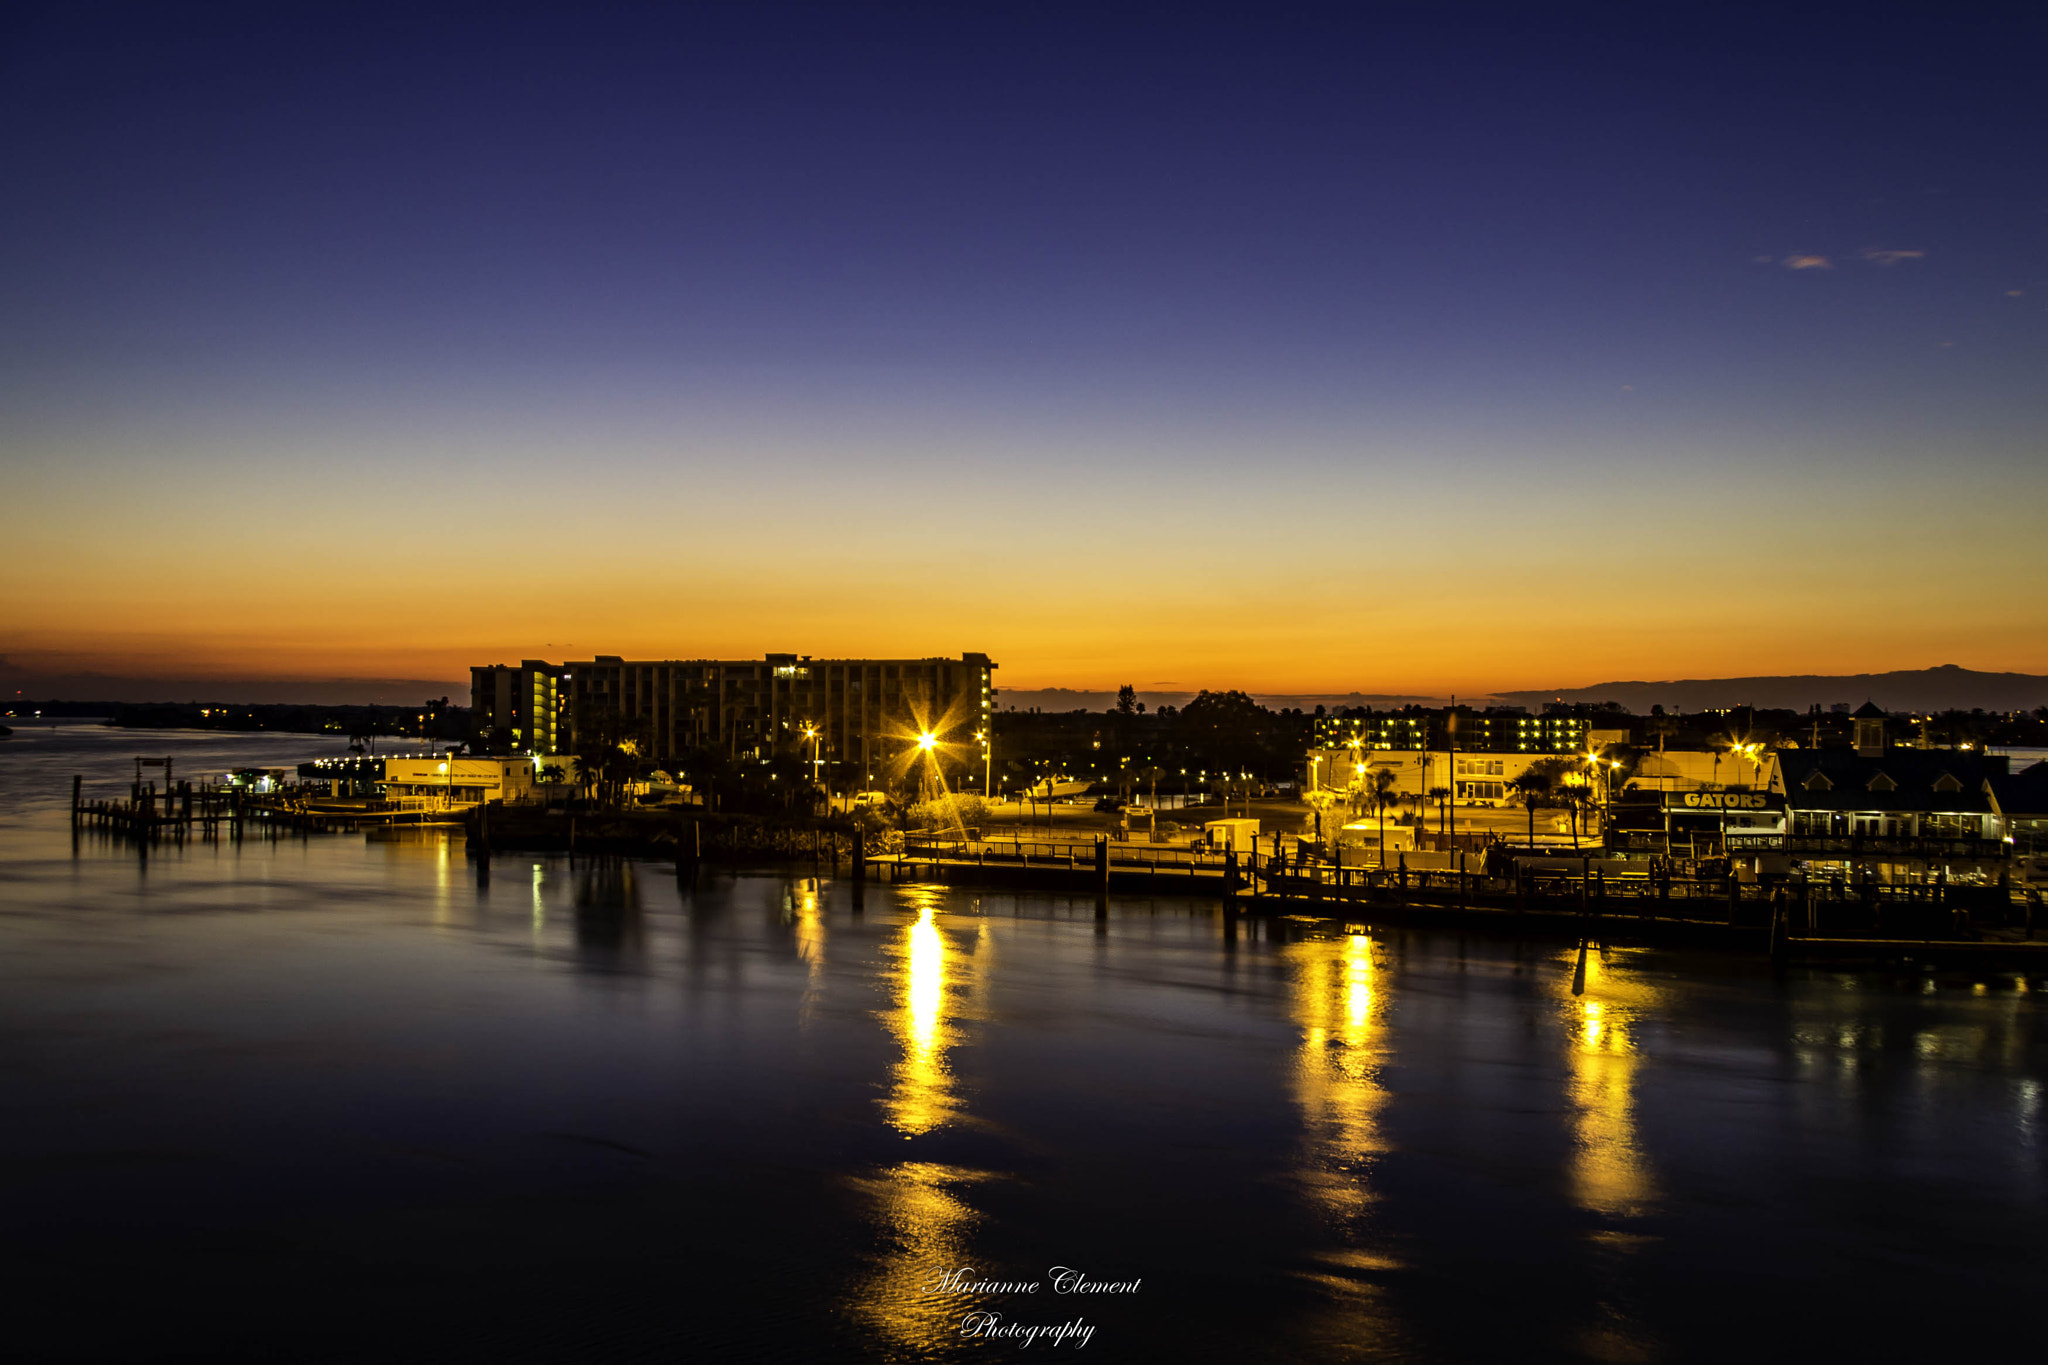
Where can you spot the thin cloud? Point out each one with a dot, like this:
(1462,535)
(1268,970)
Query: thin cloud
(1808,263)
(1884,256)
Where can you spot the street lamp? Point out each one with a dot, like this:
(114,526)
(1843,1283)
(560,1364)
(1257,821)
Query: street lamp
(817,763)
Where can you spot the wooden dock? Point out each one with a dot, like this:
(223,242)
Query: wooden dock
(183,811)
(1794,922)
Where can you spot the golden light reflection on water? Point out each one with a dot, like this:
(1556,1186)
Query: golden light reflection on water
(1609,1173)
(1340,1007)
(922,1097)
(442,877)
(803,904)
(923,1215)
(540,907)
(925,1220)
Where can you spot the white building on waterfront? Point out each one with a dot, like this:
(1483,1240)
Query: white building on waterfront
(445,780)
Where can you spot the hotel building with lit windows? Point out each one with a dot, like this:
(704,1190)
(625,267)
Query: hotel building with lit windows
(856,717)
(1499,733)
(518,708)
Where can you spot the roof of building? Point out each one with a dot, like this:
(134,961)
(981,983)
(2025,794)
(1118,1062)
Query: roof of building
(2024,792)
(1868,711)
(1934,781)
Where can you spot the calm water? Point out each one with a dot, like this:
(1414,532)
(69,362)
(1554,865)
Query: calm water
(332,1098)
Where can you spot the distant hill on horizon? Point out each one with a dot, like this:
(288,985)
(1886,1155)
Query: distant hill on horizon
(1089,699)
(1945,688)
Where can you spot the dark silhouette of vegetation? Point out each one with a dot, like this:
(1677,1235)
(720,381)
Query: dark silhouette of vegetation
(609,753)
(1532,789)
(1226,727)
(1383,797)
(1442,797)
(356,726)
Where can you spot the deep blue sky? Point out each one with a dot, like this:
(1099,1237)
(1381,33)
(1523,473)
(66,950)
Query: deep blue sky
(1334,288)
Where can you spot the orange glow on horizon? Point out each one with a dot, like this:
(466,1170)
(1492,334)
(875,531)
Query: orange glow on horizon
(261,588)
(1415,655)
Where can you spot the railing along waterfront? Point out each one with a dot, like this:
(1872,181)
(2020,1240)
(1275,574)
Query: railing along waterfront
(1058,853)
(1813,906)
(1810,906)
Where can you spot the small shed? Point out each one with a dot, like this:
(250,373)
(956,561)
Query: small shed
(1239,836)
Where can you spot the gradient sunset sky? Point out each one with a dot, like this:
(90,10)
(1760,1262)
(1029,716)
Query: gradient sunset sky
(1420,349)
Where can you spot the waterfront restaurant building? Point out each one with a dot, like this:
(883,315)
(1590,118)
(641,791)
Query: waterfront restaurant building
(445,781)
(1893,815)
(2021,800)
(859,719)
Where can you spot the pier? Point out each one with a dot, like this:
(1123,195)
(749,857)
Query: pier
(185,810)
(1795,922)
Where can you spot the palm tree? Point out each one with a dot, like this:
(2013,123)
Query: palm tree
(711,773)
(1576,794)
(1442,796)
(1318,802)
(1532,788)
(1383,795)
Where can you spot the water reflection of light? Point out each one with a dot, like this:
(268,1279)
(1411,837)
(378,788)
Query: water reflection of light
(924,1221)
(808,915)
(1609,1172)
(540,909)
(922,1098)
(1339,1011)
(441,879)
(923,1214)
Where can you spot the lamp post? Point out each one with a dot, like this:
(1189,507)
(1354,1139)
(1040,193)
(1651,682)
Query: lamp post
(817,763)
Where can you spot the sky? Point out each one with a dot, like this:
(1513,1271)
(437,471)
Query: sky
(1418,349)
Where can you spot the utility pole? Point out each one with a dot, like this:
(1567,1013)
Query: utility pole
(1451,777)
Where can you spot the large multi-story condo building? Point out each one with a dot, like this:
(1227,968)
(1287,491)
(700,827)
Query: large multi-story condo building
(518,708)
(856,719)
(1499,734)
